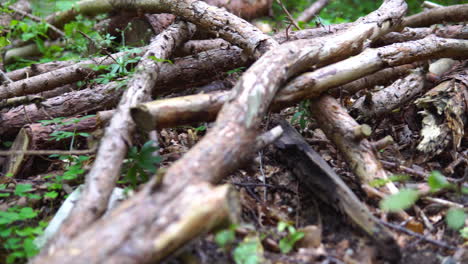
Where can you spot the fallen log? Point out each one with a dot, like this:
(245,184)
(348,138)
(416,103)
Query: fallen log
(203,107)
(454,13)
(369,61)
(383,101)
(408,34)
(73,103)
(39,137)
(201,209)
(320,179)
(382,77)
(341,129)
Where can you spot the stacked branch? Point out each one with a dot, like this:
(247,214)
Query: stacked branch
(182,203)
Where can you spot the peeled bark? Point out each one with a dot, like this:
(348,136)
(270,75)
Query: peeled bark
(376,104)
(454,13)
(312,84)
(341,128)
(69,104)
(444,109)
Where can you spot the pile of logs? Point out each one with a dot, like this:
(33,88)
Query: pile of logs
(203,42)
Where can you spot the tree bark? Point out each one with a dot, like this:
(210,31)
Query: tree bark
(376,104)
(454,13)
(341,129)
(313,10)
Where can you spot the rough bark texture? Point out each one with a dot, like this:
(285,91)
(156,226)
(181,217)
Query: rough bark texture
(382,77)
(56,78)
(200,209)
(455,13)
(408,34)
(340,128)
(312,84)
(313,10)
(73,103)
(205,16)
(36,69)
(199,69)
(402,91)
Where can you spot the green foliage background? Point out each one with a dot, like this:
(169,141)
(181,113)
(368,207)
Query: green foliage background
(341,11)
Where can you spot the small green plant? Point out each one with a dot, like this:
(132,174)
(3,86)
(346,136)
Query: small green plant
(437,181)
(405,198)
(249,251)
(236,70)
(455,218)
(59,135)
(226,237)
(74,168)
(17,232)
(287,243)
(140,163)
(154,58)
(116,70)
(394,178)
(302,116)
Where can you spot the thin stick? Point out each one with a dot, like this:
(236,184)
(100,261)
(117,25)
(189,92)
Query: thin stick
(47,152)
(419,236)
(35,18)
(288,14)
(5,77)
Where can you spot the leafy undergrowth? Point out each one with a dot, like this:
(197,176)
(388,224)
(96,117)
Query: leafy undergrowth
(277,211)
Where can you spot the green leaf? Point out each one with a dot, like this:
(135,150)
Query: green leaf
(287,243)
(399,201)
(225,237)
(51,194)
(30,248)
(250,251)
(21,189)
(464,232)
(455,218)
(6,232)
(27,212)
(159,60)
(437,181)
(240,69)
(8,217)
(282,226)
